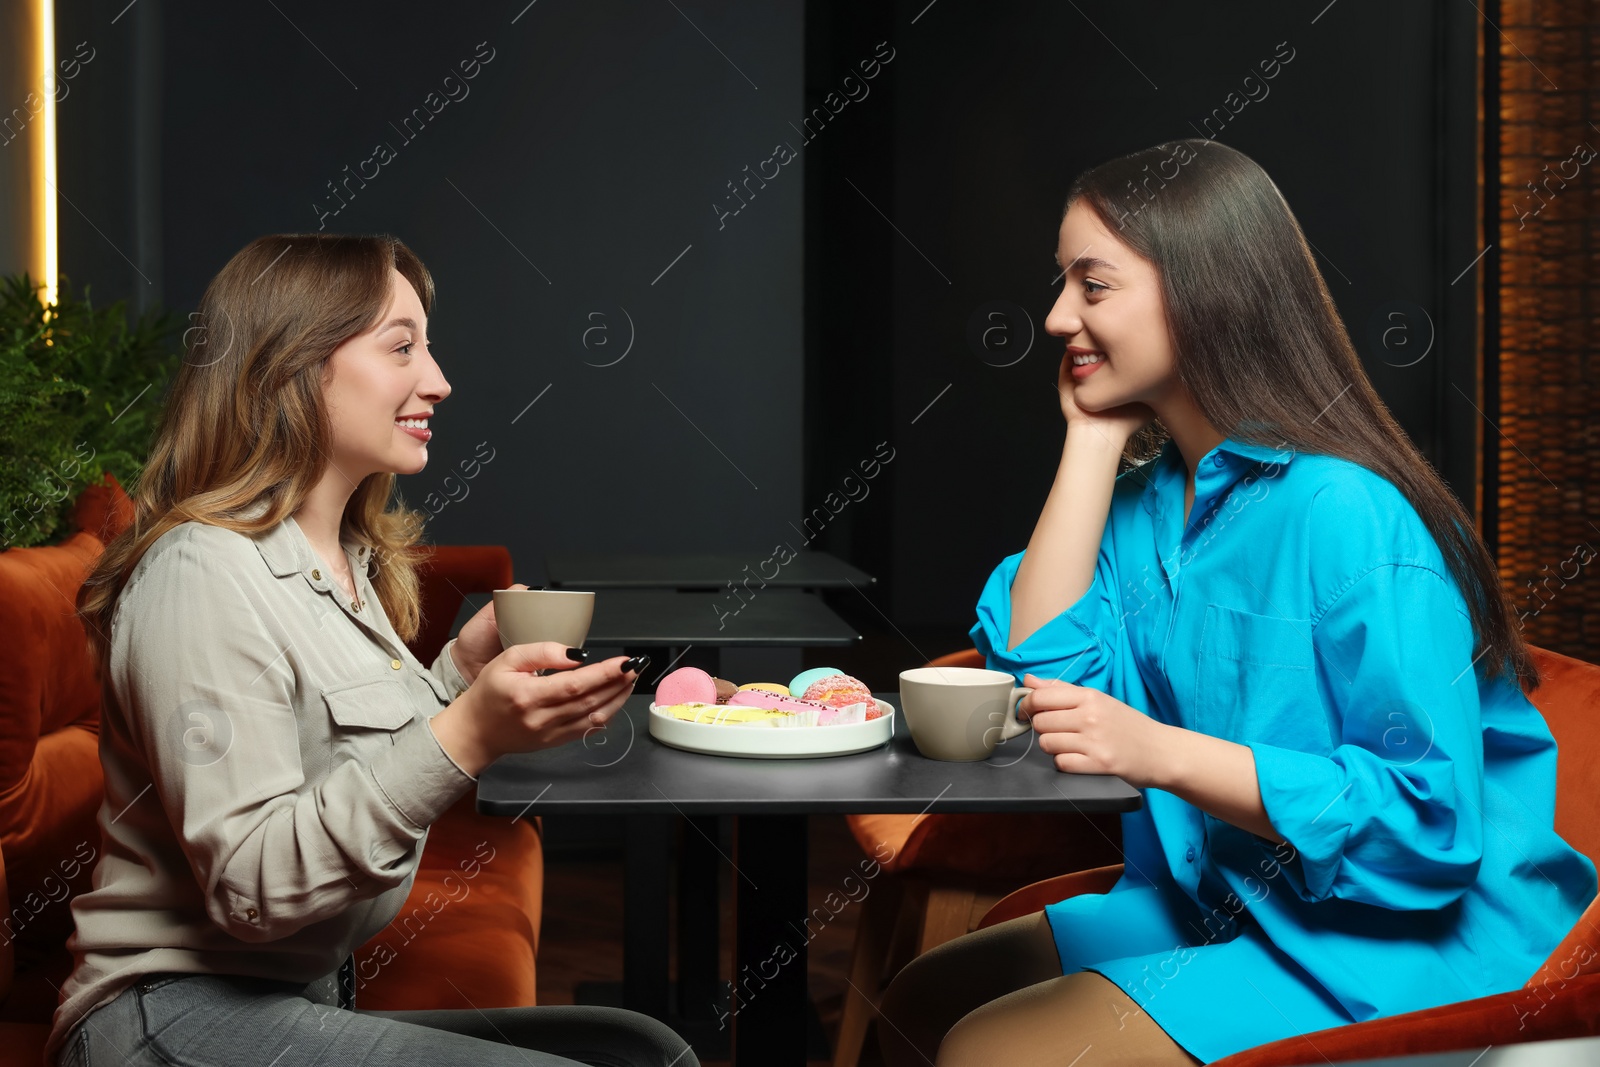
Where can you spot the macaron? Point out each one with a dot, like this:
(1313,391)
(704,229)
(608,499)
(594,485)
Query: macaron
(686,685)
(802,681)
(766,687)
(725,689)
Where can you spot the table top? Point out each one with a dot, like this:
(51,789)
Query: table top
(623,770)
(808,569)
(785,618)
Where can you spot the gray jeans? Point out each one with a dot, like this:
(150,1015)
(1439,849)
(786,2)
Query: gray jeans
(174,1020)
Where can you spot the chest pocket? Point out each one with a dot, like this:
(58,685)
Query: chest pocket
(1255,681)
(366,713)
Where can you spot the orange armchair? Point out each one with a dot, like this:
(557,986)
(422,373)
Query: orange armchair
(1561,1000)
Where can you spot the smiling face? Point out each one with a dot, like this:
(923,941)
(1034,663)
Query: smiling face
(1111,304)
(375,378)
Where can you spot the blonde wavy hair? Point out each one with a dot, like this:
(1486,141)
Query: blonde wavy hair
(245,420)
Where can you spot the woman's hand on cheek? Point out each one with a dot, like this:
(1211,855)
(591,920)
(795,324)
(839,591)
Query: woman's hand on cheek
(1087,731)
(479,641)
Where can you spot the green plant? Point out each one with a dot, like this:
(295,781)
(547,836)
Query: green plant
(80,392)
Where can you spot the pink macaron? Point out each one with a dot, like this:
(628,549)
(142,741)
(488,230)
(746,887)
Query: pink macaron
(686,685)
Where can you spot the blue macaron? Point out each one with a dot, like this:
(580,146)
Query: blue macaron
(803,680)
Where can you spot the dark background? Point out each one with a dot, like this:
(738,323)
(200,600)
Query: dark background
(830,315)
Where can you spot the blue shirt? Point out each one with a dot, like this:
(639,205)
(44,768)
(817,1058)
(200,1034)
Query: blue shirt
(1306,611)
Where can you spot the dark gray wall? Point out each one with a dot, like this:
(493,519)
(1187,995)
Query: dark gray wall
(21,92)
(108,133)
(560,182)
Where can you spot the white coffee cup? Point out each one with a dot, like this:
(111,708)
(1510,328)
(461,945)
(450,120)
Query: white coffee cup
(960,713)
(527,616)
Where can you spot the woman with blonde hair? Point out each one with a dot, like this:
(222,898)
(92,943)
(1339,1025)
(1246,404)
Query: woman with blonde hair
(273,753)
(1279,623)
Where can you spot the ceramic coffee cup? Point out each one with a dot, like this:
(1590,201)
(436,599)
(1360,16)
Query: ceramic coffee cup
(526,616)
(960,713)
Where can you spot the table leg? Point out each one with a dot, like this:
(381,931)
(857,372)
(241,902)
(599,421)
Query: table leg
(648,846)
(699,882)
(769,942)
(646,913)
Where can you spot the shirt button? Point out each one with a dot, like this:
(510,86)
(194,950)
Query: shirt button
(355,605)
(1189,855)
(251,914)
(395,664)
(316,574)
(1217,461)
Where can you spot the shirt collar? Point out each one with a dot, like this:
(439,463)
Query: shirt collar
(1234,447)
(1262,453)
(1234,453)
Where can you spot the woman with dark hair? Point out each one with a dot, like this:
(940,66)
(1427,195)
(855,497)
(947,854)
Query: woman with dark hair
(1284,629)
(273,753)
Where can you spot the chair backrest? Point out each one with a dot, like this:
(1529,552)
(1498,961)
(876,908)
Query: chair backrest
(1569,699)
(50,778)
(445,579)
(967,657)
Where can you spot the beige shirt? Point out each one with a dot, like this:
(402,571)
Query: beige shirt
(270,774)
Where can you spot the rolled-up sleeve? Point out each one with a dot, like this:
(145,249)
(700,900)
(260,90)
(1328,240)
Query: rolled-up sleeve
(1392,816)
(1076,646)
(209,695)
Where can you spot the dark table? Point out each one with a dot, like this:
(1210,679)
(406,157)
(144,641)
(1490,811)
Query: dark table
(632,773)
(770,618)
(808,569)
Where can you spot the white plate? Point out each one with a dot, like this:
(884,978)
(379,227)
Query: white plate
(755,742)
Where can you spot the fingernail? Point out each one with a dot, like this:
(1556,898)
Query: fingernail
(637,663)
(579,654)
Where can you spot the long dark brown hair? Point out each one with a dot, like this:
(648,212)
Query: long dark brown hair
(1260,346)
(245,420)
